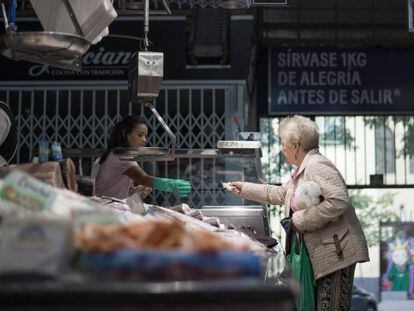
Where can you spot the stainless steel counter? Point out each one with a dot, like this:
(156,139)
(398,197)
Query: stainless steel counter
(251,216)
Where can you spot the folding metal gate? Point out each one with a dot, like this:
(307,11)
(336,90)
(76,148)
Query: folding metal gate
(81,117)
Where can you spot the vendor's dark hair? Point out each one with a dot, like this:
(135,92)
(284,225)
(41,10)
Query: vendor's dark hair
(119,134)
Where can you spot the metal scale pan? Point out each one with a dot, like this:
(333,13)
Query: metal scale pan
(54,48)
(143,154)
(46,47)
(150,153)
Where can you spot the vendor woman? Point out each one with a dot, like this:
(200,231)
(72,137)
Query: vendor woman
(116,178)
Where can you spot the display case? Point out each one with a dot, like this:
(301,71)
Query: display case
(206,169)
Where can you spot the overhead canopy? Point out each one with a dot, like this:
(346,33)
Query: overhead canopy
(351,23)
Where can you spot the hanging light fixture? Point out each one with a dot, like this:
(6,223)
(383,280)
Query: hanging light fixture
(410,15)
(235,4)
(134,5)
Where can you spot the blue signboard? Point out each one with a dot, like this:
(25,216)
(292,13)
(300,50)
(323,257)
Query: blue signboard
(343,81)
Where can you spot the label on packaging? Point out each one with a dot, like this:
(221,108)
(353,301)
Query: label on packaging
(38,244)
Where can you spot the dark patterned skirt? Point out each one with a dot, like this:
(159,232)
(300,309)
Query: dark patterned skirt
(334,291)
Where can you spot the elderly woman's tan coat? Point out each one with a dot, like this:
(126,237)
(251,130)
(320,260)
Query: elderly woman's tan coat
(332,232)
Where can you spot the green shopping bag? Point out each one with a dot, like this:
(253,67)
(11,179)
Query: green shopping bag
(302,271)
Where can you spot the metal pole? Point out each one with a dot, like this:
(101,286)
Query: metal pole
(146,24)
(73,18)
(6,21)
(166,129)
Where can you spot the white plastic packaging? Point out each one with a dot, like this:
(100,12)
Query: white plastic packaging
(35,244)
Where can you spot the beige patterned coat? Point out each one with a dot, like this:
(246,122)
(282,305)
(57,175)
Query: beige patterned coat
(332,232)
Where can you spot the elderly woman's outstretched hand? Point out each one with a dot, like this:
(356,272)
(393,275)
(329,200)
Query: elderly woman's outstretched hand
(237,185)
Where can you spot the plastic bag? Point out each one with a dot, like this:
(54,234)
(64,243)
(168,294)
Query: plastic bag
(302,271)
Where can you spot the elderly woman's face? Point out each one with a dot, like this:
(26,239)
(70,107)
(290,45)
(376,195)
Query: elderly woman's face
(289,152)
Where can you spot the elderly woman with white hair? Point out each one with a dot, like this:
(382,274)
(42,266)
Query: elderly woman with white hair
(329,226)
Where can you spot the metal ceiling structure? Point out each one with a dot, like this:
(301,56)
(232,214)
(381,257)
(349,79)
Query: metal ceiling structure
(132,6)
(303,22)
(336,22)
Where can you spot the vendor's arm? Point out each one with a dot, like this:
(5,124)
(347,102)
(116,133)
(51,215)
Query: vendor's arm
(178,186)
(266,194)
(139,176)
(335,203)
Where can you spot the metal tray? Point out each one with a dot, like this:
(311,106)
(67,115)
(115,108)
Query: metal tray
(142,154)
(238,144)
(46,47)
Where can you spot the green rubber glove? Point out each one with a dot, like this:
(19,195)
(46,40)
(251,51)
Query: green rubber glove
(179,186)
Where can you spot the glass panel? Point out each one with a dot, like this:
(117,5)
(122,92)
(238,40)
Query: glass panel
(206,174)
(359,146)
(384,146)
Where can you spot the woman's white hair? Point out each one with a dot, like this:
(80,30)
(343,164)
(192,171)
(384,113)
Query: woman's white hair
(299,129)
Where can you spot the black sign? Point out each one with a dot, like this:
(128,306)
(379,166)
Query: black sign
(319,80)
(108,59)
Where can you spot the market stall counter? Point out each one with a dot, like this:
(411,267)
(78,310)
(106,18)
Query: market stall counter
(63,251)
(214,295)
